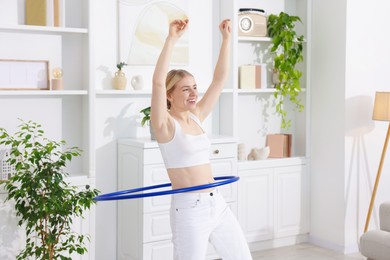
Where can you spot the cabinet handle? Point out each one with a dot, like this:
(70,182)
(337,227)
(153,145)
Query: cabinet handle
(216,151)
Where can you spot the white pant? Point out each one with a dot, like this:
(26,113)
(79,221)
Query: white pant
(197,218)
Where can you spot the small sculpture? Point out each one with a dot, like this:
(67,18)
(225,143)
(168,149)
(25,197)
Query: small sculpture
(259,153)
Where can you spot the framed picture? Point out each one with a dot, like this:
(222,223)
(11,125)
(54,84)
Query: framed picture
(143,27)
(24,75)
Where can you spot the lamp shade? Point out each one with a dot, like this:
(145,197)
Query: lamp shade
(382,106)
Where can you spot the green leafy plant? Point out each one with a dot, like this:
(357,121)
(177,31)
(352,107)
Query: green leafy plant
(44,202)
(146,117)
(287,49)
(120,65)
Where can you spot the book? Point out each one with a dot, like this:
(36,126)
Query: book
(36,12)
(280,145)
(252,76)
(49,12)
(59,13)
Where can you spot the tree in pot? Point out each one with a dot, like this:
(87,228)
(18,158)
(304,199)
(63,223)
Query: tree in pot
(45,203)
(287,49)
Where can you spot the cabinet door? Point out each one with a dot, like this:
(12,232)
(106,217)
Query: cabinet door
(162,250)
(291,201)
(153,175)
(225,167)
(255,203)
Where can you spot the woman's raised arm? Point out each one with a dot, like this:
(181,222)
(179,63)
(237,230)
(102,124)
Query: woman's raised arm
(159,115)
(221,73)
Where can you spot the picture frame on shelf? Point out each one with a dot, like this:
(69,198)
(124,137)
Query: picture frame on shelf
(24,75)
(143,26)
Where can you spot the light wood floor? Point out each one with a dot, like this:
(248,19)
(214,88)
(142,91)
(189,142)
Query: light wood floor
(304,251)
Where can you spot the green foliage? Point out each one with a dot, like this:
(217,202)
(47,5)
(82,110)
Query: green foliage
(287,48)
(44,202)
(120,65)
(146,118)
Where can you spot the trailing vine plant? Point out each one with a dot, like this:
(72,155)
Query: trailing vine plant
(287,48)
(44,202)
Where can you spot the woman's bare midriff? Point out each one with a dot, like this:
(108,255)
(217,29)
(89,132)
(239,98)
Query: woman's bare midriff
(191,176)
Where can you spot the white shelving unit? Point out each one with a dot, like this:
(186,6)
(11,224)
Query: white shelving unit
(64,114)
(273,195)
(249,114)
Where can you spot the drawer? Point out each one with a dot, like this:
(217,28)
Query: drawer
(157,226)
(223,151)
(218,151)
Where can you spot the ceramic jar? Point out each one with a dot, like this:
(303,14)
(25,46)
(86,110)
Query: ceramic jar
(119,81)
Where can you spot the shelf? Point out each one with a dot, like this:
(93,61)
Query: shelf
(113,92)
(259,90)
(43,93)
(43,29)
(254,39)
(257,39)
(272,162)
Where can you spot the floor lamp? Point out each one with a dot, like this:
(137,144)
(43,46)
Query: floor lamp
(381,113)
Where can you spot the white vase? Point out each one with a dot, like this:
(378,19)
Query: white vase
(137,82)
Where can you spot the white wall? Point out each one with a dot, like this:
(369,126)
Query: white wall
(368,66)
(327,121)
(350,62)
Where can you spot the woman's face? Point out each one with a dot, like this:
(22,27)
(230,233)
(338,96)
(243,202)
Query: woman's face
(185,94)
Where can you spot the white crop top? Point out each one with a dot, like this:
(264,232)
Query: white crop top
(186,150)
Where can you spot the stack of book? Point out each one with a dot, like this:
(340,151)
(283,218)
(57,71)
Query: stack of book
(45,12)
(280,145)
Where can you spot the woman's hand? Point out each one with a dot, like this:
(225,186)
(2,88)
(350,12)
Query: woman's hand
(225,29)
(177,28)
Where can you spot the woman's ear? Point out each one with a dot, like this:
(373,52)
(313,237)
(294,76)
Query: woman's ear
(169,97)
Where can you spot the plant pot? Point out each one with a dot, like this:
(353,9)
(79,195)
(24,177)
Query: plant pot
(275,77)
(119,81)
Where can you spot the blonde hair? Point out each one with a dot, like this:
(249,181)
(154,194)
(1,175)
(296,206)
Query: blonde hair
(173,77)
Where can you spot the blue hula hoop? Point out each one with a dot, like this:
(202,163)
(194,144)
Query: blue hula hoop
(127,194)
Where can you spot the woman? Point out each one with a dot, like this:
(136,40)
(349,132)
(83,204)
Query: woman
(196,217)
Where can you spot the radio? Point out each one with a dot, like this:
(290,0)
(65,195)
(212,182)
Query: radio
(252,22)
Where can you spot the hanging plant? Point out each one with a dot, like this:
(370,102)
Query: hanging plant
(287,49)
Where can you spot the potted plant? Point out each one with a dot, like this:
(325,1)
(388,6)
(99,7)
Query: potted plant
(120,80)
(287,48)
(44,202)
(146,120)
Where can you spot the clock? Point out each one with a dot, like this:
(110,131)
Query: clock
(246,23)
(252,22)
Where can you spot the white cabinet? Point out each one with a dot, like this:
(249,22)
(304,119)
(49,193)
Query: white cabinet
(143,224)
(273,202)
(291,200)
